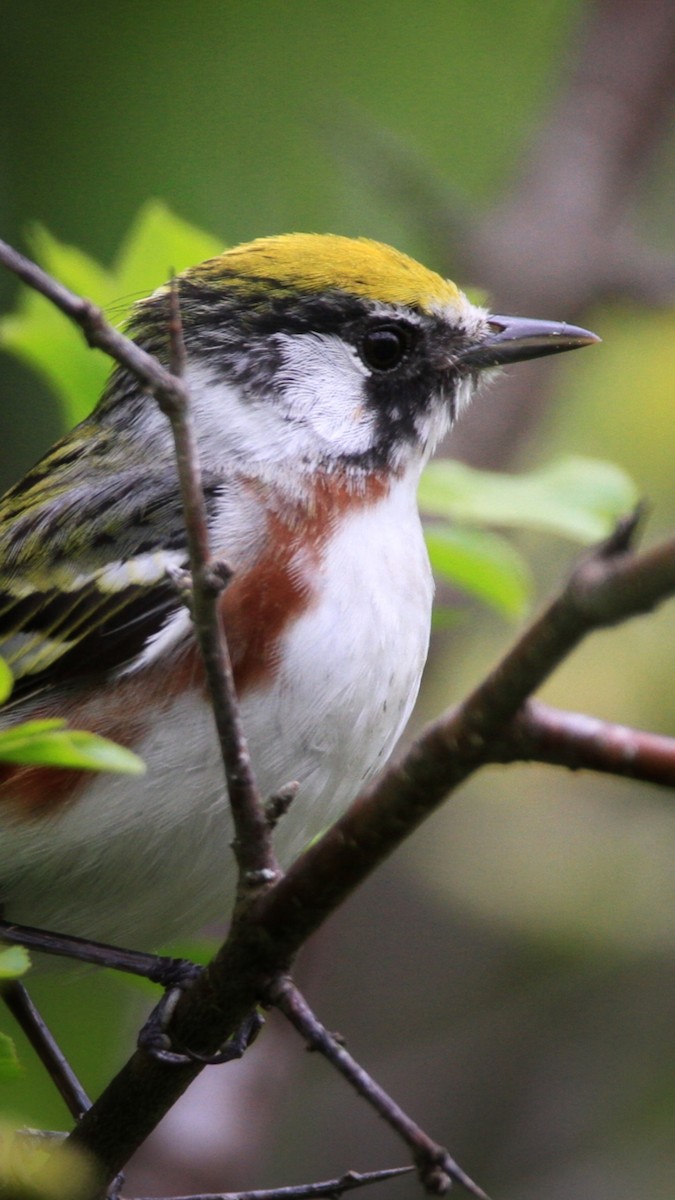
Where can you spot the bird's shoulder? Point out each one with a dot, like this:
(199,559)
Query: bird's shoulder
(88,566)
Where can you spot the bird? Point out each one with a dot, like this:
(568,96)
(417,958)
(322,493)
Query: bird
(323,372)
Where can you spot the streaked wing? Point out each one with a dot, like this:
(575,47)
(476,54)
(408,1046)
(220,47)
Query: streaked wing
(49,636)
(84,576)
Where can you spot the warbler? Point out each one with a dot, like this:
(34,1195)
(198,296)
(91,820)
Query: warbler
(323,372)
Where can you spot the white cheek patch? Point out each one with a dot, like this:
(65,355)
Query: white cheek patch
(233,431)
(322,382)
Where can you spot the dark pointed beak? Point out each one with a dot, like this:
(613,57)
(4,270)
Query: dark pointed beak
(513,339)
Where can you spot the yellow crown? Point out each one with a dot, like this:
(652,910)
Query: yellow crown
(316,262)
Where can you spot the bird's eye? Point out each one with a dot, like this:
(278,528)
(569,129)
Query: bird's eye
(385,346)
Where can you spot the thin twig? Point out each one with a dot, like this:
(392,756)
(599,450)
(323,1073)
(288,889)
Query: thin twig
(47,1049)
(307,1191)
(437,1169)
(155,967)
(253,845)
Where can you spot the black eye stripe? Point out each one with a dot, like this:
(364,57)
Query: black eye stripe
(383,347)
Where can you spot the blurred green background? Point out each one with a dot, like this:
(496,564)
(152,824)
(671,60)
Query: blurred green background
(510,974)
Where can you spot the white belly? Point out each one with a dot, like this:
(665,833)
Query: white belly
(141,861)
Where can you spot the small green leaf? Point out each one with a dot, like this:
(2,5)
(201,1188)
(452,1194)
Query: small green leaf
(43,338)
(14,961)
(71,265)
(157,243)
(444,617)
(48,743)
(578,498)
(6,681)
(34,727)
(47,341)
(483,564)
(10,1067)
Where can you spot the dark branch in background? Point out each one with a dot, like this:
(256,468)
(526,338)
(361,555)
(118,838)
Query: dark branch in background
(307,1191)
(579,182)
(61,1073)
(434,1164)
(609,585)
(539,733)
(565,234)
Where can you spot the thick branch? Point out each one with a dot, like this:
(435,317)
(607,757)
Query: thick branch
(539,733)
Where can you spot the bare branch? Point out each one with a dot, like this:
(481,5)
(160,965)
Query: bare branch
(437,1169)
(252,845)
(155,967)
(307,1191)
(50,1054)
(543,734)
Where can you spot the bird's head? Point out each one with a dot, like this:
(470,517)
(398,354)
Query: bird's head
(310,352)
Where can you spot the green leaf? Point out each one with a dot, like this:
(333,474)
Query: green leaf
(579,498)
(158,243)
(10,1067)
(14,961)
(42,725)
(48,743)
(483,564)
(6,681)
(444,617)
(44,339)
(71,265)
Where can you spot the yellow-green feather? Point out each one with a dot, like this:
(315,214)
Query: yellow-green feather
(312,262)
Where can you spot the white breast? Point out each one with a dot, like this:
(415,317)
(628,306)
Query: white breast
(351,668)
(138,862)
